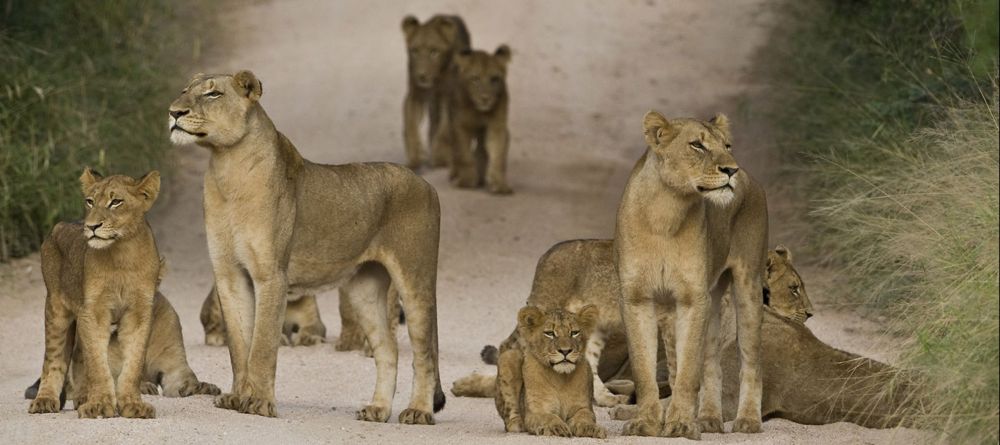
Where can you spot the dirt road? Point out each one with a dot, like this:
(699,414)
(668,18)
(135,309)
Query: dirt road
(582,75)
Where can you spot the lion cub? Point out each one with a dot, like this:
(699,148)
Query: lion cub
(477,110)
(540,388)
(430,48)
(101,274)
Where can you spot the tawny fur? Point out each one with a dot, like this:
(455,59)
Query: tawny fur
(430,48)
(542,386)
(279,226)
(98,274)
(477,115)
(691,225)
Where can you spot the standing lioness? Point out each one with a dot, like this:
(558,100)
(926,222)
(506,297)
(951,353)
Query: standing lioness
(278,224)
(691,225)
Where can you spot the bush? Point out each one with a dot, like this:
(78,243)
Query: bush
(82,84)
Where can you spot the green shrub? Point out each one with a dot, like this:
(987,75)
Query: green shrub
(82,84)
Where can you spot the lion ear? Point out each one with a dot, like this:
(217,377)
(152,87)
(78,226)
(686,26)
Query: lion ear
(89,178)
(783,252)
(247,83)
(149,186)
(722,123)
(589,315)
(529,316)
(656,128)
(410,25)
(503,54)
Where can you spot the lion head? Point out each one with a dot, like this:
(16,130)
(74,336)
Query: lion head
(116,205)
(430,47)
(556,338)
(215,110)
(483,76)
(693,156)
(785,292)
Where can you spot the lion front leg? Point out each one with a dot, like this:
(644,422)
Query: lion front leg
(463,166)
(440,133)
(366,293)
(236,300)
(270,289)
(133,336)
(710,403)
(692,306)
(497,144)
(509,389)
(749,313)
(639,316)
(413,113)
(94,333)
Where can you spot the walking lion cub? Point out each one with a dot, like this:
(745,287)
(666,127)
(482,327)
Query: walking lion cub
(101,274)
(542,386)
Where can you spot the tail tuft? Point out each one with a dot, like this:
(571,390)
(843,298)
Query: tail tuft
(439,398)
(32,390)
(490,354)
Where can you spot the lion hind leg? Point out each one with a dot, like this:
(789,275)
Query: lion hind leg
(366,295)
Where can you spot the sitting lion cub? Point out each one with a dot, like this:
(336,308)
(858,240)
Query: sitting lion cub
(101,274)
(538,379)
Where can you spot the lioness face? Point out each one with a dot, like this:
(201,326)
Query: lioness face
(558,337)
(483,76)
(428,48)
(116,205)
(694,156)
(786,293)
(214,110)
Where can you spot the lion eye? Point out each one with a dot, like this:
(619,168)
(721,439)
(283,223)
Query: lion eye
(213,94)
(549,334)
(90,202)
(698,146)
(115,203)
(574,334)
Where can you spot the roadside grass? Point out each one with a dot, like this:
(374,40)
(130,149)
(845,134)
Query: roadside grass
(82,84)
(889,114)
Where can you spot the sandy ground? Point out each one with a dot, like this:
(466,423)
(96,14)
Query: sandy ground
(583,73)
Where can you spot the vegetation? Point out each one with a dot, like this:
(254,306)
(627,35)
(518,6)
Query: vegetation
(82,84)
(893,110)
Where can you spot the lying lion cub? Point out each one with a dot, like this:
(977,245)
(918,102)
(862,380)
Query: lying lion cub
(101,274)
(540,388)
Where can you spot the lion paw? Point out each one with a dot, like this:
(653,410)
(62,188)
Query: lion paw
(350,341)
(97,408)
(590,430)
(412,416)
(258,406)
(501,189)
(466,179)
(44,405)
(372,413)
(623,412)
(608,400)
(215,338)
(747,425)
(553,429)
(196,387)
(149,389)
(711,424)
(690,430)
(229,401)
(137,409)
(513,425)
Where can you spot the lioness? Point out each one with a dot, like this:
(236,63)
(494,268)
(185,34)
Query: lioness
(477,112)
(430,48)
(539,386)
(278,224)
(805,380)
(99,274)
(691,223)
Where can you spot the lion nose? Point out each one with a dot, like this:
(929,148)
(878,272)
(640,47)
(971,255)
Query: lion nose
(565,352)
(94,227)
(730,171)
(423,78)
(178,113)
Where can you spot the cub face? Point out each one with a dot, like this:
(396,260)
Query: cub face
(786,293)
(214,110)
(693,156)
(483,76)
(557,338)
(429,48)
(116,205)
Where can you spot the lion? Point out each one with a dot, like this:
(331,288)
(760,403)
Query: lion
(691,225)
(279,226)
(99,274)
(477,112)
(540,389)
(430,48)
(165,365)
(804,379)
(302,325)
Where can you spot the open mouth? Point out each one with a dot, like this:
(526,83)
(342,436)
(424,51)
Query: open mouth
(706,189)
(178,128)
